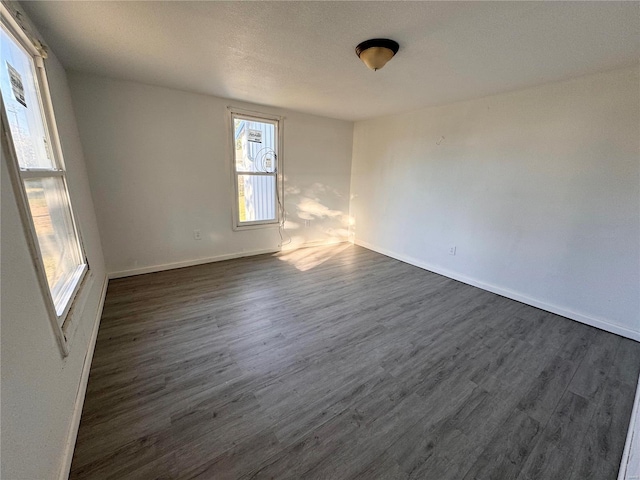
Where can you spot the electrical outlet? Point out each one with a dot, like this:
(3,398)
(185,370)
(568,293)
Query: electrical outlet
(452,250)
(197,234)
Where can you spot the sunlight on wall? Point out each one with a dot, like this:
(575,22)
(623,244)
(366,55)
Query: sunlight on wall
(314,223)
(289,225)
(309,208)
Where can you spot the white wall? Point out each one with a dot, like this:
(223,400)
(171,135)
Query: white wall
(39,386)
(159,165)
(538,190)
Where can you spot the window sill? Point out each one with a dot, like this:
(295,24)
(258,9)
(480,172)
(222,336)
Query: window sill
(67,298)
(253,226)
(77,308)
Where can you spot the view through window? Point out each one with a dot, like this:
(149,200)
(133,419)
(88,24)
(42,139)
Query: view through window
(255,162)
(42,173)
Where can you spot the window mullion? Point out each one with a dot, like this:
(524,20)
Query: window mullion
(258,174)
(41,173)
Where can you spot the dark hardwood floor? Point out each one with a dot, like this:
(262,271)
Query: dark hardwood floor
(338,362)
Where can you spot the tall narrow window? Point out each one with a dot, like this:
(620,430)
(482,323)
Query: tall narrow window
(255,166)
(40,167)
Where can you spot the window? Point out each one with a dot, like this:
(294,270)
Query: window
(255,168)
(39,168)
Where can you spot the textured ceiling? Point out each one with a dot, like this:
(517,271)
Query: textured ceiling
(300,55)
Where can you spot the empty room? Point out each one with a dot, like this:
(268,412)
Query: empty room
(320,240)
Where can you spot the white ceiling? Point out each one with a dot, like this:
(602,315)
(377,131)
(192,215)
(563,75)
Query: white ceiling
(300,55)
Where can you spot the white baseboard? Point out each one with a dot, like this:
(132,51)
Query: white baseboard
(188,263)
(219,258)
(82,389)
(630,464)
(579,317)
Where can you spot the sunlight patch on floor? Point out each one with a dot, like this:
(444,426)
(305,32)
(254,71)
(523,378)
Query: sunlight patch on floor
(307,258)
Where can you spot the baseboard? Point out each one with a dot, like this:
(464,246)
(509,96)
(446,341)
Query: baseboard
(188,263)
(82,389)
(219,258)
(630,464)
(579,317)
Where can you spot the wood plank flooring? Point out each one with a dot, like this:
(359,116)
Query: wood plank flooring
(338,362)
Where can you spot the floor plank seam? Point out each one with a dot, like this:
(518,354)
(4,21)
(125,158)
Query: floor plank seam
(358,368)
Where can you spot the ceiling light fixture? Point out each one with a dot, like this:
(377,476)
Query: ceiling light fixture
(375,53)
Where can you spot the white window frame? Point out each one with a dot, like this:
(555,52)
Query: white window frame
(277,121)
(66,298)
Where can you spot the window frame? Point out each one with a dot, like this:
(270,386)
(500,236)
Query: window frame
(277,121)
(59,313)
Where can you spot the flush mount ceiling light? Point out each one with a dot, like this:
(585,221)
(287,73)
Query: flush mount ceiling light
(375,53)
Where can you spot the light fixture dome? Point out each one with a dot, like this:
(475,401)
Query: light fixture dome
(375,53)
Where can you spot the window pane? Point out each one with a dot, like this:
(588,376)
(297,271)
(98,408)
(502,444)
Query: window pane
(53,225)
(255,144)
(22,103)
(256,198)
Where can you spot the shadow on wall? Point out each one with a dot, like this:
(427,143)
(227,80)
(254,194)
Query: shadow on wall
(312,210)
